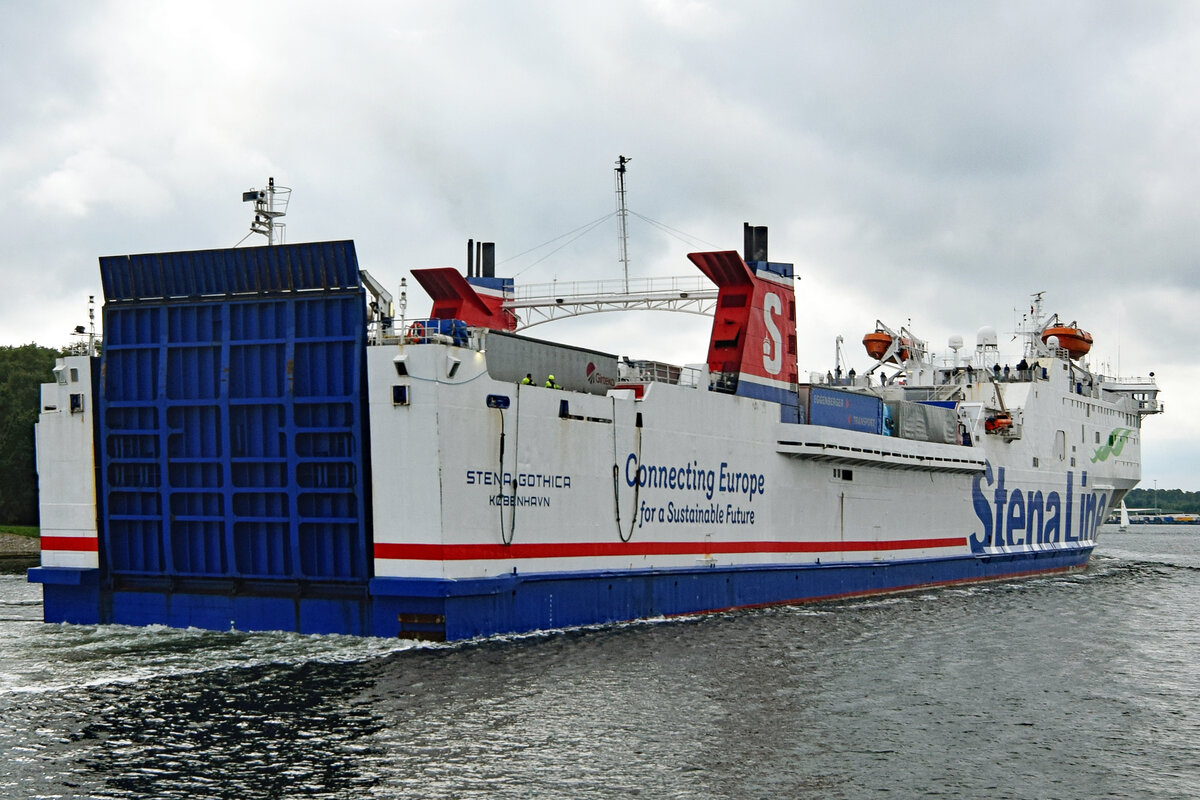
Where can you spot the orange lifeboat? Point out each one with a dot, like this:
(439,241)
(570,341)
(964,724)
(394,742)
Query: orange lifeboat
(877,345)
(998,423)
(1076,341)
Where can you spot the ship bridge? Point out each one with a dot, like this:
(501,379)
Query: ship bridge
(1141,393)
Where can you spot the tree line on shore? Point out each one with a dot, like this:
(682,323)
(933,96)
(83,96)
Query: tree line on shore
(23,369)
(1167,500)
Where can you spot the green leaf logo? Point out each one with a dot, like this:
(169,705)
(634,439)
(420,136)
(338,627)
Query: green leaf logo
(1114,445)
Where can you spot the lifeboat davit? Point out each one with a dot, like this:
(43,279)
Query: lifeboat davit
(877,345)
(1076,341)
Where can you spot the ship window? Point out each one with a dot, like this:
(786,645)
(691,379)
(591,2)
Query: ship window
(1060,444)
(1035,461)
(399,395)
(844,474)
(74,375)
(1097,437)
(76,404)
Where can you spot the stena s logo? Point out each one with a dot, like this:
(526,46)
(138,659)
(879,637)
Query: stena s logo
(773,341)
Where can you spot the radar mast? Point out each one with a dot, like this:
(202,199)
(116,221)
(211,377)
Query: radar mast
(269,205)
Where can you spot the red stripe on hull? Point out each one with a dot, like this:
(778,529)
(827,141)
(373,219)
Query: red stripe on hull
(473,552)
(79,544)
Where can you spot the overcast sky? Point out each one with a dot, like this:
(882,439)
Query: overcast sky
(925,162)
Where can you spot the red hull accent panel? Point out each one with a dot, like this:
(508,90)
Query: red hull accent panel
(454,298)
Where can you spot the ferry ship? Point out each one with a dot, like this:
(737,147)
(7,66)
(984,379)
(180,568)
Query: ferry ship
(265,445)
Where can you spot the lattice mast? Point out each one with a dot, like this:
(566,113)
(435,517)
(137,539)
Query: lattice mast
(622,218)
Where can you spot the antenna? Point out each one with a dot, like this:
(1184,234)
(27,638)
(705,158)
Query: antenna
(403,301)
(622,216)
(90,331)
(268,208)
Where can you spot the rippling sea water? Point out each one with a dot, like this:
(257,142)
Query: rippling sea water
(1079,686)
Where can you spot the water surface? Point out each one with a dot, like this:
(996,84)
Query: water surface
(1078,686)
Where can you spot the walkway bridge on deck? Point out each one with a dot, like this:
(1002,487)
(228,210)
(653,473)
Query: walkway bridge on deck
(534,304)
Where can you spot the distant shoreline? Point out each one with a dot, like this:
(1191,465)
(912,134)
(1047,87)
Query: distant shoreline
(13,544)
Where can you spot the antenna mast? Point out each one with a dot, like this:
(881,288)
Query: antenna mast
(91,325)
(267,209)
(622,214)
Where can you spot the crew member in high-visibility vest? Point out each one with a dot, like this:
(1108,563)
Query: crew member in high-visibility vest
(528,379)
(550,384)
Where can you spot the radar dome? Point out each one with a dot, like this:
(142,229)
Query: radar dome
(987,337)
(956,342)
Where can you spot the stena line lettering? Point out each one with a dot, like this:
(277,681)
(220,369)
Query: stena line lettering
(1015,517)
(773,344)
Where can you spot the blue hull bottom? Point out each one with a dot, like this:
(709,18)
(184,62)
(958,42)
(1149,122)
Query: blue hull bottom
(462,609)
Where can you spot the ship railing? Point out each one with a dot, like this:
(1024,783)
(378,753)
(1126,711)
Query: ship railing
(1118,384)
(634,371)
(829,379)
(561,291)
